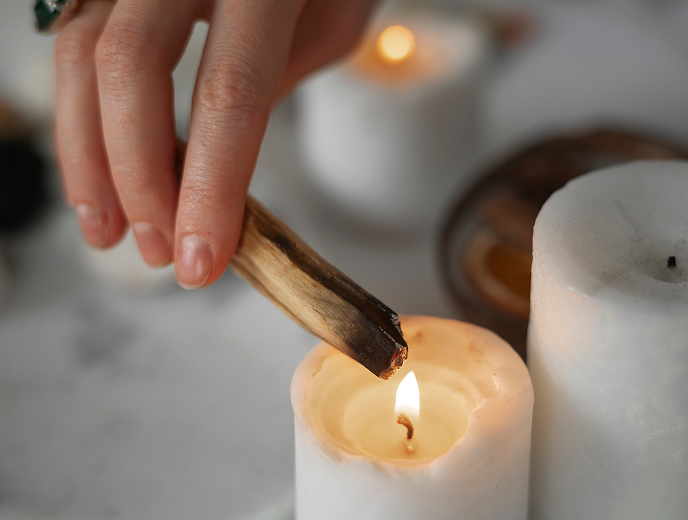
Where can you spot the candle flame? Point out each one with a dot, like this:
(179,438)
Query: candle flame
(408,395)
(395,44)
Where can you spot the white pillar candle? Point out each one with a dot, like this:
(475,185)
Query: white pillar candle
(385,135)
(608,346)
(469,454)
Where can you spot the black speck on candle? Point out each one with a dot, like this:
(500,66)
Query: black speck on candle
(671,261)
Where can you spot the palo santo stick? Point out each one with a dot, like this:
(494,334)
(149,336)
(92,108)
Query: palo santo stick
(313,293)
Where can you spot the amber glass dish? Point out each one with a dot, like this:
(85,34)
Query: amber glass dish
(486,242)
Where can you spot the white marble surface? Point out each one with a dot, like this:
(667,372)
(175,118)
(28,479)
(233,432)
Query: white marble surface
(120,405)
(175,404)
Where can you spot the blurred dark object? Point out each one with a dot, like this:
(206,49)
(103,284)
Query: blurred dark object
(486,243)
(23,191)
(11,124)
(509,27)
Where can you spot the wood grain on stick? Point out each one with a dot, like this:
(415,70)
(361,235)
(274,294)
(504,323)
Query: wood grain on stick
(313,293)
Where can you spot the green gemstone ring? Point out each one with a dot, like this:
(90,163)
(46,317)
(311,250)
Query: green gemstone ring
(53,14)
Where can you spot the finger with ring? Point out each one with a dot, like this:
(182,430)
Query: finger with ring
(52,15)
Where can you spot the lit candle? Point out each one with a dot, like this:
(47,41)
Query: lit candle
(447,437)
(608,346)
(385,135)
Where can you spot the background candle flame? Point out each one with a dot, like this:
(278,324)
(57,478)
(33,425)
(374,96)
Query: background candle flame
(408,395)
(396,43)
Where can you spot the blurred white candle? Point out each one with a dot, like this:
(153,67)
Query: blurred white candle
(469,454)
(122,267)
(608,347)
(385,135)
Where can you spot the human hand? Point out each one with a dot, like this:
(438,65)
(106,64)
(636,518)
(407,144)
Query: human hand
(115,120)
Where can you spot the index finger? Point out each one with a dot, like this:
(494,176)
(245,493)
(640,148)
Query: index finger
(243,63)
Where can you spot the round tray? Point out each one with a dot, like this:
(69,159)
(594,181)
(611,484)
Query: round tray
(486,243)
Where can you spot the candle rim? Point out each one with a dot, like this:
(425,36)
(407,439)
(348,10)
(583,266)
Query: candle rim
(642,293)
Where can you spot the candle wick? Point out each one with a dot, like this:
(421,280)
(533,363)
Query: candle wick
(405,421)
(671,261)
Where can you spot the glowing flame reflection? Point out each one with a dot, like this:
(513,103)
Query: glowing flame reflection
(395,44)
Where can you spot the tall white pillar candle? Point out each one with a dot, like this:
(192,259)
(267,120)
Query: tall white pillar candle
(469,453)
(608,347)
(383,136)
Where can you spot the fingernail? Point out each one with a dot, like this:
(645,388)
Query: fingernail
(194,262)
(154,246)
(95,224)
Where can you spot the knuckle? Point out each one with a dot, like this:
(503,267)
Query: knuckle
(204,194)
(205,199)
(230,89)
(199,202)
(127,174)
(73,46)
(124,49)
